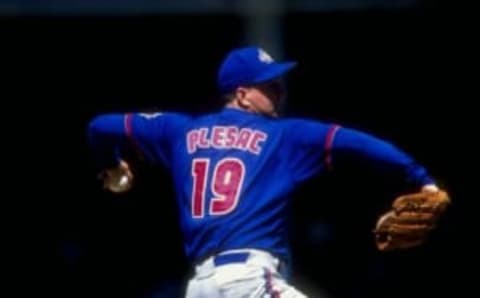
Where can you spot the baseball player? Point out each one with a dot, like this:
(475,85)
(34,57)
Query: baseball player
(234,169)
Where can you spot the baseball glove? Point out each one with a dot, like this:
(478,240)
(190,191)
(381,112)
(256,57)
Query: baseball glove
(410,219)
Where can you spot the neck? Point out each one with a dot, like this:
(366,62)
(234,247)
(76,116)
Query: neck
(248,108)
(236,105)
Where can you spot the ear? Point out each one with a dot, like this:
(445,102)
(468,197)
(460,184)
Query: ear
(245,103)
(240,92)
(241,95)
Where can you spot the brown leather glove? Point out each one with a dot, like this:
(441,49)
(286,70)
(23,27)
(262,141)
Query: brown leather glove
(411,218)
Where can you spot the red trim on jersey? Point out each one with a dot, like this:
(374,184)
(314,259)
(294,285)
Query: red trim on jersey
(329,144)
(269,286)
(129,132)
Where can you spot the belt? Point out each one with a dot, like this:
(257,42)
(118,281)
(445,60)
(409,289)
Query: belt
(229,258)
(260,258)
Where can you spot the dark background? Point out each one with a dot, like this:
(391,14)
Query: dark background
(398,74)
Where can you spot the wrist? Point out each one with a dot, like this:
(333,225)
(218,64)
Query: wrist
(430,188)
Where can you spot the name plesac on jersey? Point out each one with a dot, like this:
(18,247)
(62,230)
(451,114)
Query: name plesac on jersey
(226,137)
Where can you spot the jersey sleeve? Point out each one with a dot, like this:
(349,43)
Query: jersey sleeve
(350,146)
(151,136)
(309,143)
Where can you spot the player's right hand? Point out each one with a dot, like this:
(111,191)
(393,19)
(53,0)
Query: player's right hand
(118,179)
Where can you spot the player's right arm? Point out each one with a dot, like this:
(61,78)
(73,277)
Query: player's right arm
(107,137)
(112,136)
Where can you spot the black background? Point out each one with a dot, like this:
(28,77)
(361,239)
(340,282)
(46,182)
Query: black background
(399,74)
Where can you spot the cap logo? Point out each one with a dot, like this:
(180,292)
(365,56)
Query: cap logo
(264,56)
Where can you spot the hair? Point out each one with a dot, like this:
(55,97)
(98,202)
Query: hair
(228,97)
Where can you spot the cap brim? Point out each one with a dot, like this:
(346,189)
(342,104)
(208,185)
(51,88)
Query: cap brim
(274,71)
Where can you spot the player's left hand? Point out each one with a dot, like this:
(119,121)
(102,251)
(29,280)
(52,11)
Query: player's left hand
(118,179)
(410,220)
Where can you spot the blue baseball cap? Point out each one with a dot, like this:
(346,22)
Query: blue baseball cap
(249,66)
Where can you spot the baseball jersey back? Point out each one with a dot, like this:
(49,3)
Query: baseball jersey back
(233,172)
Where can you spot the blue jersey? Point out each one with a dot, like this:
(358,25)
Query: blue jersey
(234,171)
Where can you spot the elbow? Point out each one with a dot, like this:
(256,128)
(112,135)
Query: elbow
(95,129)
(104,124)
(100,129)
(97,125)
(106,129)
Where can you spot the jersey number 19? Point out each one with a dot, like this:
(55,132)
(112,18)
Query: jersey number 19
(225,184)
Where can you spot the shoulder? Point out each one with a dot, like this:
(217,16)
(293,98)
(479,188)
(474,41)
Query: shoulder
(157,123)
(306,123)
(304,131)
(162,117)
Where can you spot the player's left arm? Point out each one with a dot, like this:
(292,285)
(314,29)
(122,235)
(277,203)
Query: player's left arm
(384,157)
(412,215)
